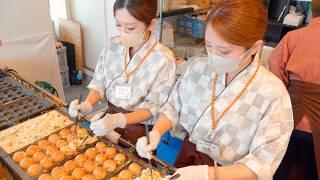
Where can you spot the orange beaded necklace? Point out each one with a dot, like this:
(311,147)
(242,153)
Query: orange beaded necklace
(216,121)
(128,74)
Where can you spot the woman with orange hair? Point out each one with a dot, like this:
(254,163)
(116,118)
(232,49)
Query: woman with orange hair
(233,111)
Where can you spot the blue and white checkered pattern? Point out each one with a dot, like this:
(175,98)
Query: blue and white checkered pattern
(254,132)
(152,82)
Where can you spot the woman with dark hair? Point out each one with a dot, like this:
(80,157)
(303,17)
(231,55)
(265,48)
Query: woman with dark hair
(233,111)
(134,73)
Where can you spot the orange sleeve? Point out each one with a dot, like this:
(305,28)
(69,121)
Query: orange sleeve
(278,60)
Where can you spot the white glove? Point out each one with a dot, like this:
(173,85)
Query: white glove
(109,122)
(113,137)
(74,108)
(144,149)
(193,173)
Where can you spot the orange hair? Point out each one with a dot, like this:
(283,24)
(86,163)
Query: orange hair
(239,22)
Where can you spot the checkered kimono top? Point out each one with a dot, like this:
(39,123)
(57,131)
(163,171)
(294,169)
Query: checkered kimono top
(151,83)
(254,132)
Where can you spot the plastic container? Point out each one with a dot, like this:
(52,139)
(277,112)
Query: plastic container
(167,33)
(65,79)
(62,57)
(180,24)
(198,28)
(184,24)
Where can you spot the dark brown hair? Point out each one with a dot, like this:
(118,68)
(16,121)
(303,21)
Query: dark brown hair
(315,8)
(239,22)
(142,10)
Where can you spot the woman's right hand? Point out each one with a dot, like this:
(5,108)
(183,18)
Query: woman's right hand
(74,108)
(144,149)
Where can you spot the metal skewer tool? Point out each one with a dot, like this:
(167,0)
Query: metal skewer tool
(148,141)
(78,116)
(91,132)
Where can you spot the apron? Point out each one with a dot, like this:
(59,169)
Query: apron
(305,98)
(132,132)
(189,156)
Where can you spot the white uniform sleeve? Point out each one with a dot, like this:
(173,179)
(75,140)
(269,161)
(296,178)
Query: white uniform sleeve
(271,139)
(98,80)
(172,109)
(160,89)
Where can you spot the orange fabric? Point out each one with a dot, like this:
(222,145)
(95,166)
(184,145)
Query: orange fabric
(297,57)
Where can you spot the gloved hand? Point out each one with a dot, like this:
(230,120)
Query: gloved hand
(113,137)
(106,124)
(144,149)
(193,173)
(74,108)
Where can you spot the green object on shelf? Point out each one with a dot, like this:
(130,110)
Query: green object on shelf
(46,86)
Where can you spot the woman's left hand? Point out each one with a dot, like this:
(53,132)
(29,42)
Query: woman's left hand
(193,173)
(106,124)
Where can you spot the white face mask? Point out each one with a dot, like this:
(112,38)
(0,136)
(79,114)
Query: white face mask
(131,40)
(222,65)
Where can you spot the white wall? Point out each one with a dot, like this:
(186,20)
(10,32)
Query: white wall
(21,23)
(110,22)
(58,9)
(19,18)
(96,19)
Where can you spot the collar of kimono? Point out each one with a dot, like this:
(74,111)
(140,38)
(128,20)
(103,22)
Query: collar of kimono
(250,72)
(147,50)
(144,48)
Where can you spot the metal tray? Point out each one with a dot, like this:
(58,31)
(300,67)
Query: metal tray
(5,174)
(7,83)
(60,110)
(13,94)
(2,73)
(19,111)
(161,167)
(143,167)
(19,173)
(110,174)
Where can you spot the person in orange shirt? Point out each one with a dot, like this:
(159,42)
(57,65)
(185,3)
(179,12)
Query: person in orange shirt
(296,61)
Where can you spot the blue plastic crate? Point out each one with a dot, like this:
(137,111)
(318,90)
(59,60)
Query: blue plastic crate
(169,148)
(184,24)
(198,28)
(188,27)
(181,21)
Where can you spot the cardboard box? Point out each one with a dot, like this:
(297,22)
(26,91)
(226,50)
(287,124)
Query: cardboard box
(200,3)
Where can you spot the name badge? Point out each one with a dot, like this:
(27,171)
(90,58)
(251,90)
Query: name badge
(207,148)
(124,92)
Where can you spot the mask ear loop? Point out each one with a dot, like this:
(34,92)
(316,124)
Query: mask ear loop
(259,52)
(244,55)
